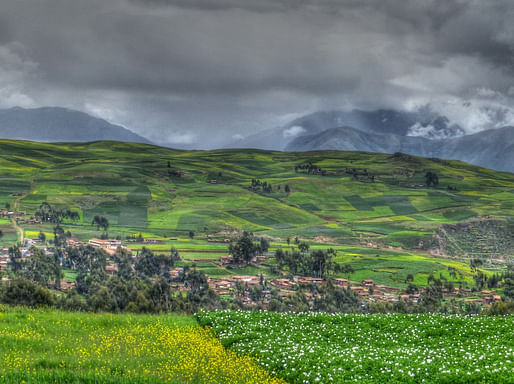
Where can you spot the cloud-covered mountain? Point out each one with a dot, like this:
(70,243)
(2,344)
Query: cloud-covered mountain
(492,148)
(423,123)
(54,124)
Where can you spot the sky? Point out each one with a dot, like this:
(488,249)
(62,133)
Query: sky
(200,73)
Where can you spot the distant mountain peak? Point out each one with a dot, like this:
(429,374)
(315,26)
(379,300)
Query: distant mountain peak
(58,124)
(493,148)
(423,123)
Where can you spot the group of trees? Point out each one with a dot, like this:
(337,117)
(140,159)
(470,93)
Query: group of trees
(49,214)
(141,283)
(360,174)
(41,267)
(318,263)
(309,168)
(246,248)
(263,186)
(431,179)
(100,222)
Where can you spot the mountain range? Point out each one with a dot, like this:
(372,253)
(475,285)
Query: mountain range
(422,133)
(387,131)
(492,148)
(55,124)
(423,123)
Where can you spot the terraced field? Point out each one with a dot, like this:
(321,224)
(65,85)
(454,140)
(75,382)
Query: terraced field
(371,202)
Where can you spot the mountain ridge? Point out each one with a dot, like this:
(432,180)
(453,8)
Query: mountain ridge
(57,124)
(491,148)
(423,123)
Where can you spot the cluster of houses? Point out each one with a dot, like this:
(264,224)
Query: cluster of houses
(367,290)
(20,216)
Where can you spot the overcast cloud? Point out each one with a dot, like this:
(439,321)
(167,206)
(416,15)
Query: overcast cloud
(200,72)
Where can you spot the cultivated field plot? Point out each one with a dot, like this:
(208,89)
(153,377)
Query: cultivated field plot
(57,347)
(167,193)
(324,348)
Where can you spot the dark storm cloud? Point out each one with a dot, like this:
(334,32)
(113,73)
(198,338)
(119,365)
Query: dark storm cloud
(177,70)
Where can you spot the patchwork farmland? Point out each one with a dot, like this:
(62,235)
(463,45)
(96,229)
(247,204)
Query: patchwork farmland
(374,210)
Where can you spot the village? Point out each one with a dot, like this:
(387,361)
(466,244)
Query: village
(240,286)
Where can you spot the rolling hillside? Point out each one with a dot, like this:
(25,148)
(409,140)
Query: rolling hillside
(352,199)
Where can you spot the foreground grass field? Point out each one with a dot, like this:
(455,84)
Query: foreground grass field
(322,348)
(38,346)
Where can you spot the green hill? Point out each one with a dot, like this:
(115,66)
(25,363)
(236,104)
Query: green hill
(351,199)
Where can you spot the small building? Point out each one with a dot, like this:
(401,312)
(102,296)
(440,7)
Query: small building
(341,282)
(309,280)
(105,243)
(111,269)
(175,273)
(283,283)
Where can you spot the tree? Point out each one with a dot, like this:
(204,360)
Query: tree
(303,247)
(42,236)
(318,263)
(508,287)
(480,280)
(412,289)
(24,292)
(150,265)
(287,189)
(475,263)
(90,264)
(431,179)
(431,297)
(191,234)
(100,222)
(347,269)
(264,245)
(256,293)
(125,264)
(409,278)
(174,255)
(244,250)
(59,236)
(15,259)
(42,267)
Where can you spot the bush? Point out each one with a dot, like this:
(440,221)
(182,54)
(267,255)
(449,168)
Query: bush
(21,291)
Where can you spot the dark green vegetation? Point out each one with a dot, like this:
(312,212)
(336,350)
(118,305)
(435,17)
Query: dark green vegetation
(322,348)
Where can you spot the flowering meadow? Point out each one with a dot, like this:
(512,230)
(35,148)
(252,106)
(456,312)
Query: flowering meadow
(38,346)
(391,348)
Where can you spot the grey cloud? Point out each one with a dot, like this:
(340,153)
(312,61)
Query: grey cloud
(184,70)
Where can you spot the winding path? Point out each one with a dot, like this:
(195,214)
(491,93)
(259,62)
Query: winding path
(14,209)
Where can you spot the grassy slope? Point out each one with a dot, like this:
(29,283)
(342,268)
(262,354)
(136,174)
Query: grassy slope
(129,184)
(56,347)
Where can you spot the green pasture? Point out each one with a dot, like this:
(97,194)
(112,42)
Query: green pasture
(133,187)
